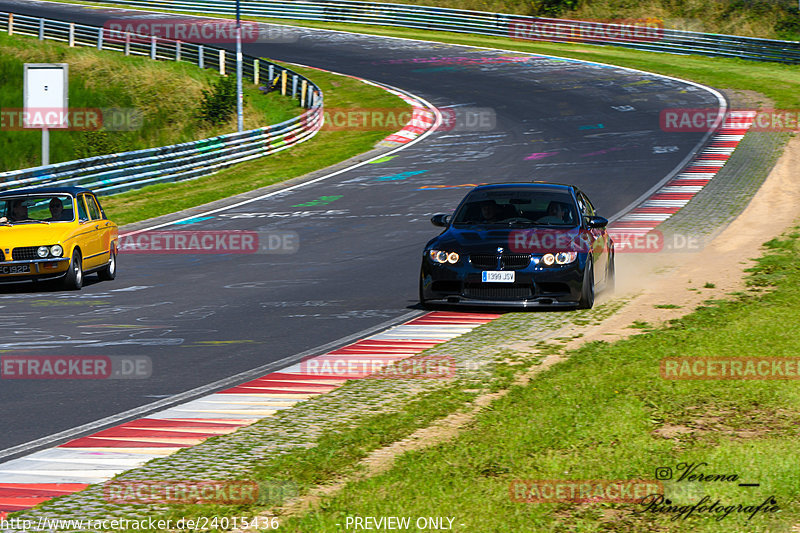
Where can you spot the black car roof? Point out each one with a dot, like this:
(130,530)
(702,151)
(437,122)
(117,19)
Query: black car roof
(45,190)
(540,185)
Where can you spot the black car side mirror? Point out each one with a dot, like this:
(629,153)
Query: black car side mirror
(440,220)
(596,222)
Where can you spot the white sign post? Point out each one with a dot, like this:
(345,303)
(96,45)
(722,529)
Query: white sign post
(45,103)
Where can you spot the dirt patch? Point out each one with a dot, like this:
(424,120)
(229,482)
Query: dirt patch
(716,423)
(687,280)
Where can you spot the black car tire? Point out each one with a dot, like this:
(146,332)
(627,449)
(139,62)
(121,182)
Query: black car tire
(422,301)
(587,290)
(73,280)
(109,272)
(611,276)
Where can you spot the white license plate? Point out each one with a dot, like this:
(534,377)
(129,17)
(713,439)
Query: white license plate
(15,269)
(497,276)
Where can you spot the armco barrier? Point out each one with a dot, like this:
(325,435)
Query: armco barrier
(496,24)
(109,174)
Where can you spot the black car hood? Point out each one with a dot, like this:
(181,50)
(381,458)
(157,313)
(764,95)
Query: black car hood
(516,239)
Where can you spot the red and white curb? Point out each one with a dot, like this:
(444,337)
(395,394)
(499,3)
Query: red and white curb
(677,192)
(422,120)
(423,117)
(74,465)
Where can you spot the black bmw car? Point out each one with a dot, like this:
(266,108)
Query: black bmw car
(519,244)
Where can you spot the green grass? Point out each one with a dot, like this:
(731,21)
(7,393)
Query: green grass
(166,94)
(325,149)
(606,413)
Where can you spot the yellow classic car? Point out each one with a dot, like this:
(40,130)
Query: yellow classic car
(55,233)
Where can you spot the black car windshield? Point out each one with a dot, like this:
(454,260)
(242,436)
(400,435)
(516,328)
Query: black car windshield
(510,207)
(36,208)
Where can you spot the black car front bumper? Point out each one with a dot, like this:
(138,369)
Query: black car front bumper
(534,286)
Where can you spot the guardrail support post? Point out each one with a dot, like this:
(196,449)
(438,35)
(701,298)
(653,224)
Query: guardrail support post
(41,29)
(71,35)
(222,62)
(100,38)
(271,74)
(294,85)
(256,71)
(200,59)
(284,77)
(177,50)
(303,89)
(153,47)
(11,23)
(127,44)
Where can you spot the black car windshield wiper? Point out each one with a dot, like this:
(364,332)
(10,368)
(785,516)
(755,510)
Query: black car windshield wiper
(32,220)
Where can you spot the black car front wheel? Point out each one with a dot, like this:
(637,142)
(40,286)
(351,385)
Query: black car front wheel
(587,289)
(422,301)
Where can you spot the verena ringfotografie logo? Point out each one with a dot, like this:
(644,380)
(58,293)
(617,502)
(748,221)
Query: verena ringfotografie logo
(193,30)
(181,492)
(356,366)
(75,367)
(710,119)
(210,242)
(631,30)
(726,368)
(586,490)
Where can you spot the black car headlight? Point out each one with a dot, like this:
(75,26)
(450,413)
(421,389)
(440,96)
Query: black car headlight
(440,256)
(56,250)
(559,258)
(42,251)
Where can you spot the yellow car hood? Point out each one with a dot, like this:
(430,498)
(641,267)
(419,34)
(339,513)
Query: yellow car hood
(36,234)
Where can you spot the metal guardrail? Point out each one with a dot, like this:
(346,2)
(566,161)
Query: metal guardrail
(495,24)
(115,173)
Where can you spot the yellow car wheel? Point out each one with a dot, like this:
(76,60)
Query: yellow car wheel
(109,272)
(73,281)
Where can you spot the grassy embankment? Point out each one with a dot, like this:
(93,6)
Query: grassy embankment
(608,414)
(164,99)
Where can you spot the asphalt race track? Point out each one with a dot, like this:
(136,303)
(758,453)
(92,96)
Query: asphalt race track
(201,318)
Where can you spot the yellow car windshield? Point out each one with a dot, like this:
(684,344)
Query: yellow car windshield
(37,208)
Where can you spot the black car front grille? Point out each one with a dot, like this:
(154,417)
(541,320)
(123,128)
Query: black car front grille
(498,293)
(2,256)
(25,253)
(509,261)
